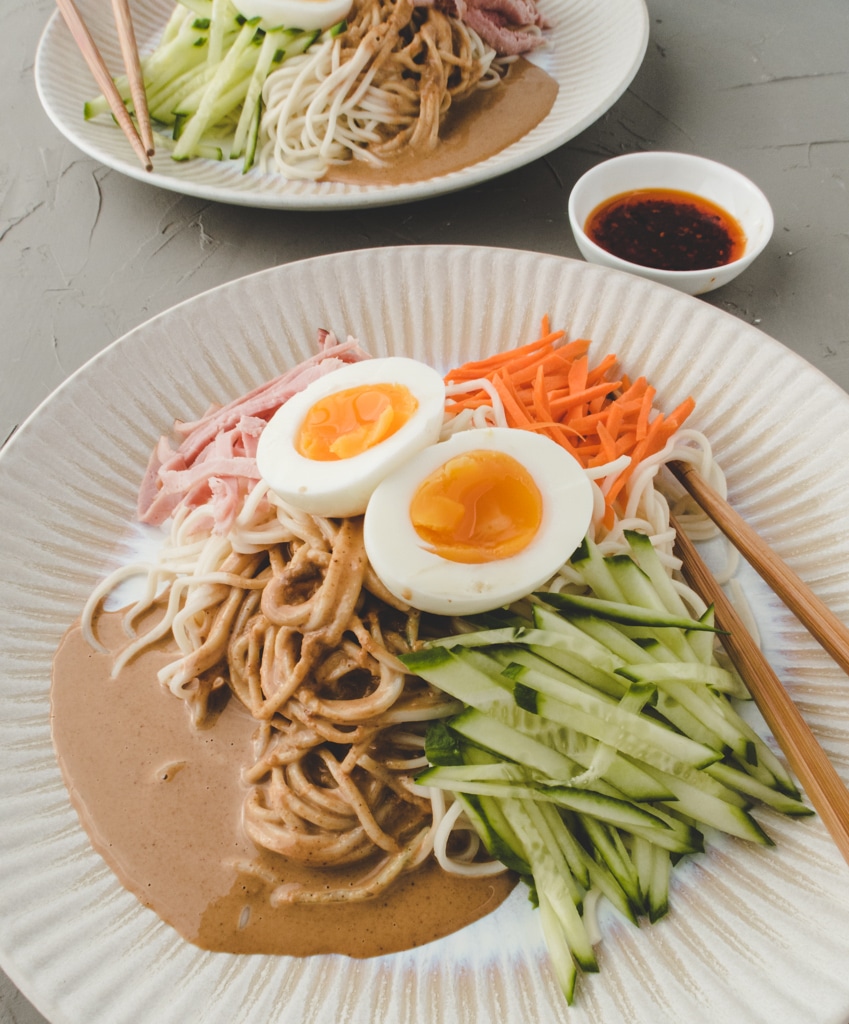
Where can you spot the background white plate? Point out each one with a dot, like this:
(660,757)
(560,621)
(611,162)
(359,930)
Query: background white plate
(754,935)
(594,52)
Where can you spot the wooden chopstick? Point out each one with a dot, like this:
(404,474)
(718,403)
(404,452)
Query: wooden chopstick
(816,616)
(132,65)
(817,775)
(97,66)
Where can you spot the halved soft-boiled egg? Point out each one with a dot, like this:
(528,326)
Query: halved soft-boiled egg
(477,521)
(327,448)
(303,14)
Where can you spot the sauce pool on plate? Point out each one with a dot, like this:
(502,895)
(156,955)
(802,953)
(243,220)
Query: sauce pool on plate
(666,229)
(161,802)
(479,127)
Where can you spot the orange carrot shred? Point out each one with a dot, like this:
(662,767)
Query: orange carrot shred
(645,411)
(613,424)
(563,404)
(540,396)
(578,374)
(679,414)
(480,367)
(599,372)
(517,415)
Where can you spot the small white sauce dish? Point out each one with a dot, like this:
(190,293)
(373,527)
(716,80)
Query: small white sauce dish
(681,172)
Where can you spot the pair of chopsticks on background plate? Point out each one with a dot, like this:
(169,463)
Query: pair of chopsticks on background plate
(138,132)
(818,776)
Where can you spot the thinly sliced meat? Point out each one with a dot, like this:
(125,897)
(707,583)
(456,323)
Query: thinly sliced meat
(267,398)
(215,462)
(510,27)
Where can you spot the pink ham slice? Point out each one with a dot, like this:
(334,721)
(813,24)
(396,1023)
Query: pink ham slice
(215,462)
(511,27)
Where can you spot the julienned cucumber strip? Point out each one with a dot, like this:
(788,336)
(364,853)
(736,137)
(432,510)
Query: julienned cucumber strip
(610,643)
(576,856)
(622,612)
(202,8)
(647,559)
(610,849)
(612,689)
(653,867)
(550,872)
(702,646)
(184,96)
(609,580)
(590,562)
(567,648)
(550,763)
(222,13)
(639,590)
(502,778)
(638,735)
(495,832)
(562,960)
(549,757)
(744,783)
(689,686)
(271,42)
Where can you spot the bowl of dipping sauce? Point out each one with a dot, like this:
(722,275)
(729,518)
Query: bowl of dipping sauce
(677,219)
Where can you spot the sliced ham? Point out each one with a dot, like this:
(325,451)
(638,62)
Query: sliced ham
(214,464)
(266,399)
(510,27)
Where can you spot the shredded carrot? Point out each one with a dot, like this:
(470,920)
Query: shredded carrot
(514,409)
(580,401)
(607,448)
(645,412)
(677,416)
(578,374)
(541,404)
(600,372)
(482,367)
(625,443)
(598,403)
(555,367)
(549,386)
(613,424)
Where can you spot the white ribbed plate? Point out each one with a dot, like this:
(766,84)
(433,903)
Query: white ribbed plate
(595,50)
(754,936)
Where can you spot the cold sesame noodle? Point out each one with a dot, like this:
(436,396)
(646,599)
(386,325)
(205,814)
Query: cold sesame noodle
(379,89)
(281,611)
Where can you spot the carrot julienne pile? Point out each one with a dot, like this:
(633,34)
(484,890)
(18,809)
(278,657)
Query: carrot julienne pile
(549,386)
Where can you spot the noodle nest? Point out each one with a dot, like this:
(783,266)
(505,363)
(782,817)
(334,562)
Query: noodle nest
(379,89)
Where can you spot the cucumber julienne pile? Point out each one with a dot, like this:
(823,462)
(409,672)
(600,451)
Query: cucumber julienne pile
(599,744)
(204,79)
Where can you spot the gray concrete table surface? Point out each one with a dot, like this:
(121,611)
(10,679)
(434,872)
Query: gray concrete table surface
(86,254)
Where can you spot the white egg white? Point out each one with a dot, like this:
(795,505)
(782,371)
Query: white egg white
(343,487)
(426,580)
(302,14)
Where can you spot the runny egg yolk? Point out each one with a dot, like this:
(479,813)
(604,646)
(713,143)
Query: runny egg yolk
(350,422)
(480,506)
